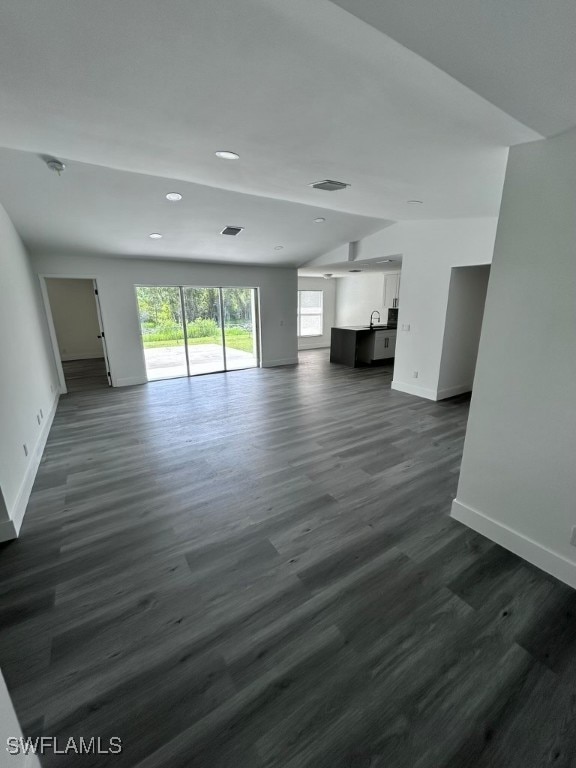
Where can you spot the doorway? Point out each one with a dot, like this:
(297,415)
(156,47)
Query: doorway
(77,334)
(187,330)
(462,328)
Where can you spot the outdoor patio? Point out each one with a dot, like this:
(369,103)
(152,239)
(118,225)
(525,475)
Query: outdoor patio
(170,362)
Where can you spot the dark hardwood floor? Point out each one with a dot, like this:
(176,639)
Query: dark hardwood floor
(257,569)
(85,375)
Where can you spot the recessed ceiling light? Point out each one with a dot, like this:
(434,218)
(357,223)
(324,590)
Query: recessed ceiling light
(173,196)
(155,236)
(354,270)
(414,202)
(224,154)
(278,247)
(319,220)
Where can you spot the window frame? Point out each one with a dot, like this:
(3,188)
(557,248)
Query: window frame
(319,313)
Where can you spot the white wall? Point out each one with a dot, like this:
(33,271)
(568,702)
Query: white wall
(117,278)
(328,288)
(28,380)
(73,308)
(357,295)
(430,249)
(517,482)
(466,299)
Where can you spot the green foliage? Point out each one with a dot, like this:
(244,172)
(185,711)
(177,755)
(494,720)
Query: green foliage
(160,311)
(201,328)
(164,333)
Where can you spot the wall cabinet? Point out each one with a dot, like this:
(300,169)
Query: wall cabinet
(391,289)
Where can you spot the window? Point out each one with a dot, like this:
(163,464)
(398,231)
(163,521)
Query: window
(310,313)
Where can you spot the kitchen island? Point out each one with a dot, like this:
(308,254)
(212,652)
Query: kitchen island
(356,345)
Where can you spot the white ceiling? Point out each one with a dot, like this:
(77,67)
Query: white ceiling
(90,209)
(518,54)
(302,91)
(343,269)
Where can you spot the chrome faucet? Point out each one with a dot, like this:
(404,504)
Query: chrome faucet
(375,312)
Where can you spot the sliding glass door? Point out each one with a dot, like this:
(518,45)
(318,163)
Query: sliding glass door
(160,311)
(239,310)
(188,331)
(204,341)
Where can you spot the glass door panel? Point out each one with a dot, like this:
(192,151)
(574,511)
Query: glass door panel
(205,344)
(160,314)
(240,333)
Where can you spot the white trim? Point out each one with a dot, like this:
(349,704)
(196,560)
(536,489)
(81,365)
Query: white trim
(528,549)
(413,389)
(130,381)
(11,528)
(274,363)
(442,394)
(318,345)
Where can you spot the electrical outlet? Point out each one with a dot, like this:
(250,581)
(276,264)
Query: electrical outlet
(25,449)
(573,537)
(415,375)
(405,327)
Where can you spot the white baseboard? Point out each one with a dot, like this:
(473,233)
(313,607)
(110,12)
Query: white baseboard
(546,559)
(442,394)
(285,361)
(313,345)
(11,528)
(82,356)
(130,381)
(413,389)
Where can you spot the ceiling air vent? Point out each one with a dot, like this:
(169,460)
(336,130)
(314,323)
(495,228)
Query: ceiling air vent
(329,186)
(231,231)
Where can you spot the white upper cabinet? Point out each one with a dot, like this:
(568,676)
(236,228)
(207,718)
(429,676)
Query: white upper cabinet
(391,289)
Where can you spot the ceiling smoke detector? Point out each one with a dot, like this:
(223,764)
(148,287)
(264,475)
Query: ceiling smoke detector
(329,186)
(232,231)
(55,165)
